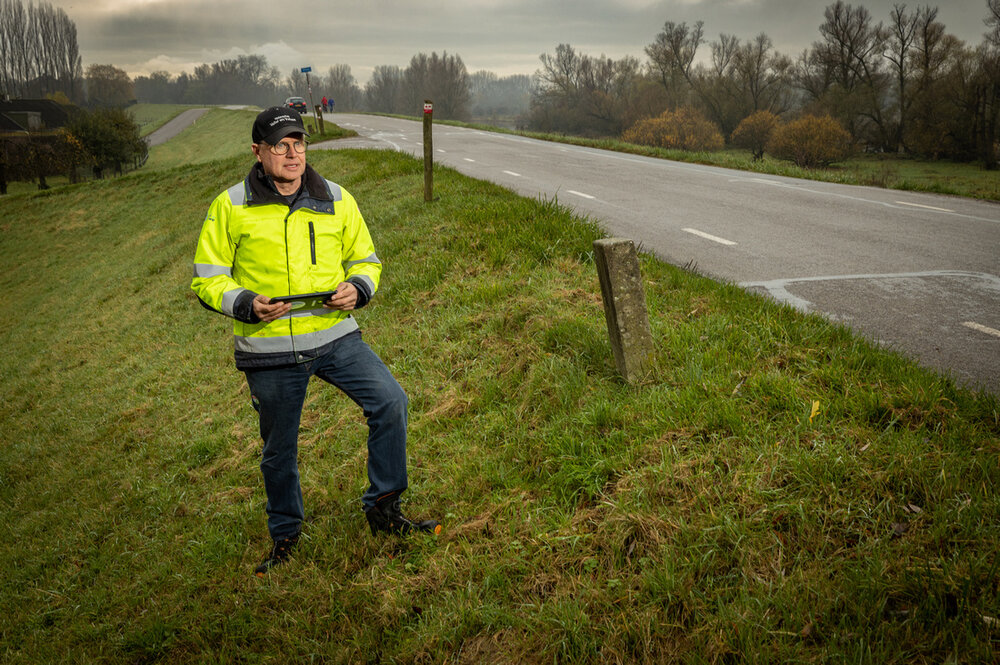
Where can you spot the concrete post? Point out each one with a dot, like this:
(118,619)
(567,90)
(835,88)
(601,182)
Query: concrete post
(625,307)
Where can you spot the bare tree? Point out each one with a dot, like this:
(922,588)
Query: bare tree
(38,50)
(295,84)
(578,93)
(17,47)
(765,75)
(993,22)
(672,55)
(440,78)
(384,89)
(500,99)
(931,54)
(851,54)
(902,40)
(341,86)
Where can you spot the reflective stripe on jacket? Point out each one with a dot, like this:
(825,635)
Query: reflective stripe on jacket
(253,241)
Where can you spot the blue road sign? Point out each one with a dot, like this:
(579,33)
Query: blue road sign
(306,69)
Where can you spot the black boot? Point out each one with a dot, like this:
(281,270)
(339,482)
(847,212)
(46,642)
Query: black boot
(280,552)
(385,516)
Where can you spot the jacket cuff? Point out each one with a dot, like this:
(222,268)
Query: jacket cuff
(364,295)
(243,307)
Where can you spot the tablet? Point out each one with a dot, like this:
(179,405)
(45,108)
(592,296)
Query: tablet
(306,300)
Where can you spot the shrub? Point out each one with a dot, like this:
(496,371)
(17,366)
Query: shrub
(110,137)
(811,141)
(754,132)
(683,129)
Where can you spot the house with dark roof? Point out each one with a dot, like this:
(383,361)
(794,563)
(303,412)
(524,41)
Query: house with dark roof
(8,124)
(33,115)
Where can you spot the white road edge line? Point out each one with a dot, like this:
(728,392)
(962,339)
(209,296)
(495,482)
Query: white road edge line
(709,236)
(981,328)
(918,205)
(516,175)
(468,160)
(586,196)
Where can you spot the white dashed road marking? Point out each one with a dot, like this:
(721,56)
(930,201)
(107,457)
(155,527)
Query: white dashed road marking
(918,205)
(586,196)
(709,236)
(981,328)
(516,175)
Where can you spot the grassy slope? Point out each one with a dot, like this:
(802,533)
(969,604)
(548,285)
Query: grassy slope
(221,134)
(701,516)
(883,170)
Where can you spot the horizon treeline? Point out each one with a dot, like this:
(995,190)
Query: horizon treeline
(458,95)
(900,84)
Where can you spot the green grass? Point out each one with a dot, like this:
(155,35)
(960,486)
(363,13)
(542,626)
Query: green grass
(701,517)
(220,134)
(886,171)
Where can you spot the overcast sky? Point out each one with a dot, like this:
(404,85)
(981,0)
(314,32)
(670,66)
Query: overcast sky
(502,36)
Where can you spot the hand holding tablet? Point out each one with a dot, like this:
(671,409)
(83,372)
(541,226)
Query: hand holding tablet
(306,300)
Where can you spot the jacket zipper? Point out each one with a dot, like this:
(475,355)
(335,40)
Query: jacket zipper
(312,242)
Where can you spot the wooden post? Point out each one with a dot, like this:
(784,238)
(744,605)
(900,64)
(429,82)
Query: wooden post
(319,117)
(624,306)
(428,151)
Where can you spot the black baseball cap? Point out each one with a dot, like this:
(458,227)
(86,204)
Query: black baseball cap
(276,123)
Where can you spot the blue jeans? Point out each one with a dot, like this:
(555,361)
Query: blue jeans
(278,394)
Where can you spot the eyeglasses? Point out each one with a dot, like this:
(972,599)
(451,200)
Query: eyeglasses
(282,148)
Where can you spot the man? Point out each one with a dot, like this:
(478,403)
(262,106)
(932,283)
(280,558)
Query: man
(284,230)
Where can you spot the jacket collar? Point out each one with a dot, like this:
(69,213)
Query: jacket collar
(261,190)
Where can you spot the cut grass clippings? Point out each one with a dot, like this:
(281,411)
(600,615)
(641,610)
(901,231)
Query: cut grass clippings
(778,490)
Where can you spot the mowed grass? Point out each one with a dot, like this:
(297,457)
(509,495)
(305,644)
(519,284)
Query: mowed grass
(778,490)
(220,134)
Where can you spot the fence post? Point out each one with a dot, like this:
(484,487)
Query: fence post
(319,118)
(624,306)
(428,151)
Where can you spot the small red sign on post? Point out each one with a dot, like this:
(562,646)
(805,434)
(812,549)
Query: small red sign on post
(428,107)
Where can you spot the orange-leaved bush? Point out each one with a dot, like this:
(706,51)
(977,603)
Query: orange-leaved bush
(811,141)
(683,129)
(754,132)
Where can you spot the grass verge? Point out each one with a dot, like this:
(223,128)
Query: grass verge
(220,134)
(709,515)
(886,171)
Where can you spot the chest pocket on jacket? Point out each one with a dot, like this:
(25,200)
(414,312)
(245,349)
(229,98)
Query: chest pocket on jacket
(326,245)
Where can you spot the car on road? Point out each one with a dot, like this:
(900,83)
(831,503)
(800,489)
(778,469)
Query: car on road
(297,103)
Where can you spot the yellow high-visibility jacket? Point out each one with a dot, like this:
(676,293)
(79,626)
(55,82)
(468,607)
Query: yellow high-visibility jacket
(255,241)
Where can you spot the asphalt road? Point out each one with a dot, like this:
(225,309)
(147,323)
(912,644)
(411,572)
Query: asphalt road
(918,273)
(174,126)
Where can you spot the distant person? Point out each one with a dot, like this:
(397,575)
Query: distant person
(323,102)
(331,105)
(286,230)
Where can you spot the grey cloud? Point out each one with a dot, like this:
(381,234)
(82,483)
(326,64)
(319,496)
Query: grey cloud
(499,35)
